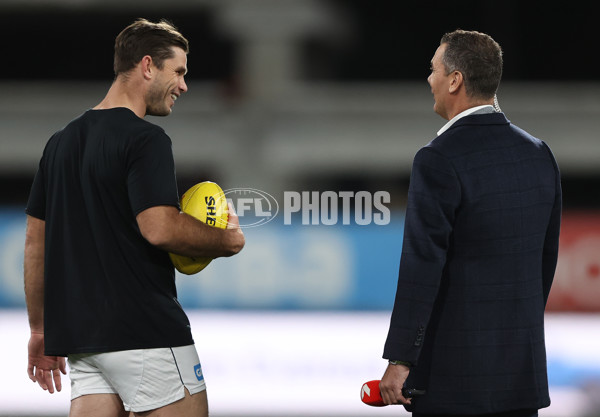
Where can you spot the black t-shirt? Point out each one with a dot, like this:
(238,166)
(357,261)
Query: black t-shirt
(106,287)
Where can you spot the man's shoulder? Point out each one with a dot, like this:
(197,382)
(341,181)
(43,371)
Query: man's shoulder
(121,122)
(117,125)
(478,139)
(483,135)
(106,118)
(469,130)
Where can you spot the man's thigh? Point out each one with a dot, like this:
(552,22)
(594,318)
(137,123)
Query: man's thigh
(98,405)
(190,406)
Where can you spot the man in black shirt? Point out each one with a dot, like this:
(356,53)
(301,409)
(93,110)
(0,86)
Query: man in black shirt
(102,214)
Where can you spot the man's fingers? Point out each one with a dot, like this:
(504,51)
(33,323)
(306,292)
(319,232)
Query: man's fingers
(57,380)
(386,398)
(30,372)
(39,376)
(233,222)
(62,365)
(388,395)
(391,396)
(48,381)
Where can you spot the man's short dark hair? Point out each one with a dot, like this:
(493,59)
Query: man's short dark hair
(478,57)
(143,38)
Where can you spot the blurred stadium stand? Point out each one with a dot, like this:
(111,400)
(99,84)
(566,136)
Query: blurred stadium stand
(317,136)
(319,94)
(310,95)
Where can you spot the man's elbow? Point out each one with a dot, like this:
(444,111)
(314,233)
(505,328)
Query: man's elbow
(156,225)
(157,236)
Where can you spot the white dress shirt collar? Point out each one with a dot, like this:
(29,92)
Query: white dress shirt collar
(461,115)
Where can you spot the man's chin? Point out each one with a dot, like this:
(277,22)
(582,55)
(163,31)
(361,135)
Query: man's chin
(438,111)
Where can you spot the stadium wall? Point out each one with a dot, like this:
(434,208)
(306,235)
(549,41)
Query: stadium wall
(318,267)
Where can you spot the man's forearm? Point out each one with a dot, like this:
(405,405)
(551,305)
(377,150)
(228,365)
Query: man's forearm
(177,232)
(34,273)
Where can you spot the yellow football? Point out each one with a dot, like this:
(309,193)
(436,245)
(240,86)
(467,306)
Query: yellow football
(206,202)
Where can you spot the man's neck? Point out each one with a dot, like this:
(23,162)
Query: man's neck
(462,114)
(467,104)
(123,94)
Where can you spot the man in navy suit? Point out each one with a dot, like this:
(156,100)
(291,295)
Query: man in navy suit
(479,253)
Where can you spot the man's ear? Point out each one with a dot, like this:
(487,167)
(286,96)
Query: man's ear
(147,67)
(456,80)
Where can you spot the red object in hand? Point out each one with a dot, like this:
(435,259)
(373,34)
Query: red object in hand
(370,394)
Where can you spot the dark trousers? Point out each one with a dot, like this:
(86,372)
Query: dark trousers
(517,413)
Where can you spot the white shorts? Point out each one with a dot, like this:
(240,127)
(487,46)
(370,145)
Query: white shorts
(145,379)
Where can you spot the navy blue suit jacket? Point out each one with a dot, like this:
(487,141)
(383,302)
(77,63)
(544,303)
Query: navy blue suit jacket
(478,259)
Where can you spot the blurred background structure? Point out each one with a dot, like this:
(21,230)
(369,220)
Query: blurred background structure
(309,95)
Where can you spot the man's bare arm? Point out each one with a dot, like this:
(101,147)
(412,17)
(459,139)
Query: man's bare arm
(45,370)
(176,232)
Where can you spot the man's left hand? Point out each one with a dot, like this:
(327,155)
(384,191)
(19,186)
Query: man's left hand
(45,370)
(391,384)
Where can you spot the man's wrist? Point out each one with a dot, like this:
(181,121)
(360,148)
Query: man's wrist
(403,363)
